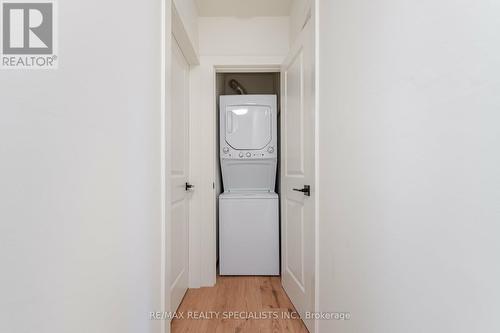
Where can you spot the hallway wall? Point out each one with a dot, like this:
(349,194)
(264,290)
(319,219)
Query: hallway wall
(237,36)
(409,165)
(80,203)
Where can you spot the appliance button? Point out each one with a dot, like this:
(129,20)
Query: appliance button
(241,154)
(225,150)
(248,154)
(270,150)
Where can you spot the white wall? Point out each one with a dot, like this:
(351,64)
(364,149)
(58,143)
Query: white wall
(409,165)
(188,13)
(253,36)
(80,214)
(243,8)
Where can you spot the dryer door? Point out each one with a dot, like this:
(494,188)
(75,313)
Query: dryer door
(248,127)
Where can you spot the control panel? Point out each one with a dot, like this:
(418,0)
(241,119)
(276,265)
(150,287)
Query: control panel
(230,153)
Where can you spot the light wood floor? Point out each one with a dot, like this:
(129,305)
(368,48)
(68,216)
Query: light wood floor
(249,297)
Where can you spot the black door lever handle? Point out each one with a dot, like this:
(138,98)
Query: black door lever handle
(306,190)
(188,186)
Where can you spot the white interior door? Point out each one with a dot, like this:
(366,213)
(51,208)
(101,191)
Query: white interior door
(179,176)
(298,172)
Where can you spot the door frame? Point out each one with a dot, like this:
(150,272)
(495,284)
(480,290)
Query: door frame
(203,243)
(263,68)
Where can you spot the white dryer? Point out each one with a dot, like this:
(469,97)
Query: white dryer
(248,208)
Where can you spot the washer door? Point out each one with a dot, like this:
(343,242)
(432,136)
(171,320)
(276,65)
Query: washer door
(248,127)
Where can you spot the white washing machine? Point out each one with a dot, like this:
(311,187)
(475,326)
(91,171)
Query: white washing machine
(248,208)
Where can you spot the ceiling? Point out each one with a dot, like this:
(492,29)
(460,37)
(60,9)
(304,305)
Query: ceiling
(243,8)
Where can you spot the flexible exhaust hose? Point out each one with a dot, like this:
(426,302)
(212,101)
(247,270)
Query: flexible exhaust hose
(236,86)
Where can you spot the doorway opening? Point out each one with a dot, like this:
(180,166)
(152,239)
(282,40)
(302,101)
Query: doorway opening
(265,55)
(249,83)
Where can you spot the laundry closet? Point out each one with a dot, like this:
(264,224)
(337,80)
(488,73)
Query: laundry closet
(243,145)
(247,184)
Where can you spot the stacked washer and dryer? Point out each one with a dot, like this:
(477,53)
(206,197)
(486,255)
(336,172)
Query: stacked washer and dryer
(248,207)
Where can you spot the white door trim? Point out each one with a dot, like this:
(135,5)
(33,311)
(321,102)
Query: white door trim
(166,64)
(317,73)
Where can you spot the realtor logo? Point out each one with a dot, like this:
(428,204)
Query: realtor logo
(28,34)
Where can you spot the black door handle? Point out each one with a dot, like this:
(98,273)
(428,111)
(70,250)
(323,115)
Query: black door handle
(188,186)
(306,190)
